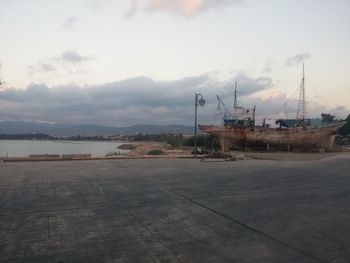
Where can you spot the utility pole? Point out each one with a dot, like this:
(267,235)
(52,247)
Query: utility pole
(201,103)
(235,97)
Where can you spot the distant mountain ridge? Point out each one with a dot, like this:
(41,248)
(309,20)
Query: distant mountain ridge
(63,129)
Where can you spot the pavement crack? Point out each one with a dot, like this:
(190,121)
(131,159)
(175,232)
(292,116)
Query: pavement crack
(250,228)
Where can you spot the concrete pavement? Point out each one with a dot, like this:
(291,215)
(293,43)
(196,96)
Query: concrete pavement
(172,210)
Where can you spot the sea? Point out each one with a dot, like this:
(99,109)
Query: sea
(23,148)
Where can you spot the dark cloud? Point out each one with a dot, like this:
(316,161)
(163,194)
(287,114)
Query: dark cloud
(69,23)
(131,101)
(139,100)
(297,59)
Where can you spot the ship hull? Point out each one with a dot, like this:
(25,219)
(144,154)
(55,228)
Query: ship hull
(307,138)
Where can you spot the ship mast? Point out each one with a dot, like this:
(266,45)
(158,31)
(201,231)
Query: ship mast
(235,104)
(235,98)
(301,113)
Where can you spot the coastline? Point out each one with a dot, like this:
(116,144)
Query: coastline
(142,152)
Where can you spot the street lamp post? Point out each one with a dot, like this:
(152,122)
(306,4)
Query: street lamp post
(200,102)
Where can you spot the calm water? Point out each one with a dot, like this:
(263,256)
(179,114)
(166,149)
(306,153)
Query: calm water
(22,148)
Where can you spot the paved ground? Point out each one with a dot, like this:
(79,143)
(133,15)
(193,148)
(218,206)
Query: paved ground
(175,211)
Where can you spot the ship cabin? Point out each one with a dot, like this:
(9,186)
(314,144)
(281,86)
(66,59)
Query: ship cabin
(240,117)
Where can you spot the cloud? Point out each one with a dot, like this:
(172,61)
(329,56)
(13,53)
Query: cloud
(139,100)
(126,102)
(134,6)
(69,23)
(267,67)
(247,84)
(72,56)
(187,8)
(298,59)
(67,61)
(41,67)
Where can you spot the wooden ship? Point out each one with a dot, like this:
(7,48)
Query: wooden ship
(238,130)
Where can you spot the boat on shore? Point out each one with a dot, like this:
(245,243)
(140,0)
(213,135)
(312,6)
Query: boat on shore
(302,138)
(238,130)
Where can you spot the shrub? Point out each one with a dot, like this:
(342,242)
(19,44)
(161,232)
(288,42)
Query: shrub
(345,130)
(204,140)
(155,152)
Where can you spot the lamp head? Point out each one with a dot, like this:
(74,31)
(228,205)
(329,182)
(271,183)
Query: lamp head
(201,102)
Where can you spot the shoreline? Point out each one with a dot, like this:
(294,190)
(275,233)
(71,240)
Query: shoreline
(232,156)
(157,150)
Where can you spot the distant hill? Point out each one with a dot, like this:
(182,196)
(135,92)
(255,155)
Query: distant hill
(59,129)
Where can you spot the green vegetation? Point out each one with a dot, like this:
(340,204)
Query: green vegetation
(178,140)
(327,118)
(204,140)
(145,137)
(345,130)
(127,146)
(207,142)
(175,140)
(155,152)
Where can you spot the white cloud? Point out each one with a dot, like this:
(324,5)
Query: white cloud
(41,67)
(68,61)
(72,56)
(298,59)
(267,67)
(69,23)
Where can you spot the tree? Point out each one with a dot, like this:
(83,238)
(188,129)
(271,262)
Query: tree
(345,130)
(327,118)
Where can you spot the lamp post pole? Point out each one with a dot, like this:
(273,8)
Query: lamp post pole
(200,102)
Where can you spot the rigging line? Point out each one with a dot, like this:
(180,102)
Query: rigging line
(282,86)
(232,94)
(316,90)
(318,93)
(284,105)
(279,87)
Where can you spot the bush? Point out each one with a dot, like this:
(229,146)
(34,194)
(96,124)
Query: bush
(155,152)
(345,130)
(174,139)
(204,140)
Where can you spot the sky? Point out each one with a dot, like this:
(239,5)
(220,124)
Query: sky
(127,62)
